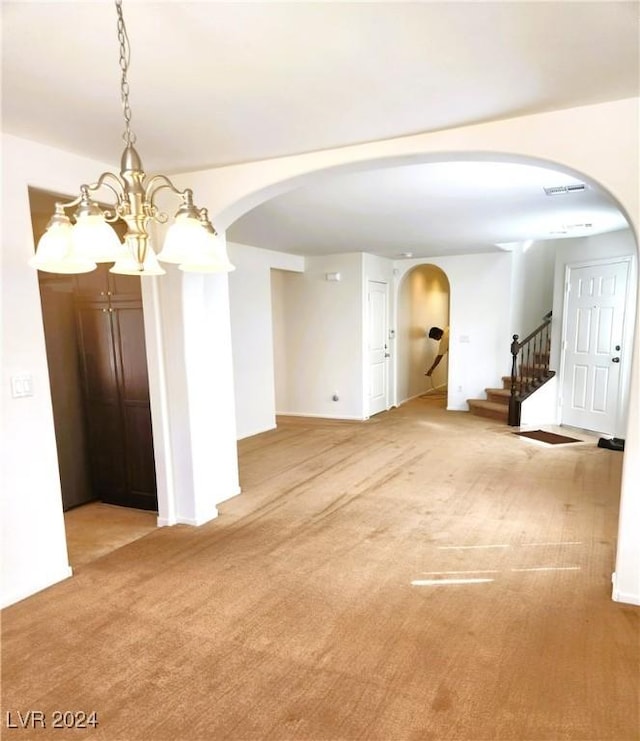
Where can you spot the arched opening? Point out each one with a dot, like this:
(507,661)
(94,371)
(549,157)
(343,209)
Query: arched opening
(515,290)
(524,144)
(423,303)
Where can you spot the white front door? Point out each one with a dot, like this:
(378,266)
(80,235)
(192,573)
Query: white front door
(592,345)
(378,346)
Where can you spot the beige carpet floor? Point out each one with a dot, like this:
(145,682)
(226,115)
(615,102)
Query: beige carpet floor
(95,529)
(424,575)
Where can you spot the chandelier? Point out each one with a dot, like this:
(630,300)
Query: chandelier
(191,241)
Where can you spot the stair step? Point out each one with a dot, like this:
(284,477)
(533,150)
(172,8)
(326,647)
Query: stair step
(499,396)
(484,408)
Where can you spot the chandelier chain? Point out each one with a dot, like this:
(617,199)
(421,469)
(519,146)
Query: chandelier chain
(125,56)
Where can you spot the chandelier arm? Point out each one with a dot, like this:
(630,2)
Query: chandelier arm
(118,192)
(59,205)
(102,181)
(159,182)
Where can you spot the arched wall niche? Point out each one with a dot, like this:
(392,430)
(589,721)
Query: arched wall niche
(422,302)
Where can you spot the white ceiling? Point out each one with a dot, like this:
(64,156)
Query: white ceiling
(214,83)
(428,209)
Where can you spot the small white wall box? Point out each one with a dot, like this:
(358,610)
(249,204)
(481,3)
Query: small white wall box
(21,386)
(333,276)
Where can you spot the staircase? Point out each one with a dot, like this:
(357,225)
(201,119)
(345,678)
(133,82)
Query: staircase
(527,375)
(496,405)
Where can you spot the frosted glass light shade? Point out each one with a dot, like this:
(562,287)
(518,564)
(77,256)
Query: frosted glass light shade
(211,258)
(95,239)
(55,252)
(185,237)
(129,265)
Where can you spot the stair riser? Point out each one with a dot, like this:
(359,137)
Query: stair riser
(498,399)
(491,414)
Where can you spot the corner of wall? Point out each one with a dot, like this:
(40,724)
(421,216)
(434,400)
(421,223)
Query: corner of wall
(628,598)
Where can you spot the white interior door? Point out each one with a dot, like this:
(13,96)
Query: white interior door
(378,346)
(592,347)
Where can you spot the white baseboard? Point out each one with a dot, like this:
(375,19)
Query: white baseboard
(196,522)
(213,515)
(627,598)
(320,416)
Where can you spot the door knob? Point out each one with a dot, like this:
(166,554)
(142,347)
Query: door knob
(387,355)
(615,360)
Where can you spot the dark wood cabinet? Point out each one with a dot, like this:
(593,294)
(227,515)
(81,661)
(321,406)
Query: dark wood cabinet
(110,326)
(100,284)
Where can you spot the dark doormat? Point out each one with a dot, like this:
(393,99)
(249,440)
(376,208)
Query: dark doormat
(548,437)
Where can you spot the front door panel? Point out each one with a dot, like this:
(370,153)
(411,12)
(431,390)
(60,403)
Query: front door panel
(593,346)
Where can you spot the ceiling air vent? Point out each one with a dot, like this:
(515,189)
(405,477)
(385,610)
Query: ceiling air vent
(556,190)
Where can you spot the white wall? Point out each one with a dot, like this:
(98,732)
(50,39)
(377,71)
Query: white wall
(480,290)
(541,408)
(322,331)
(533,281)
(210,396)
(574,251)
(319,336)
(279,316)
(252,332)
(423,302)
(34,553)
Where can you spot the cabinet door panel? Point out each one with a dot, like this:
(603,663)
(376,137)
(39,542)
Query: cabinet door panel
(98,360)
(131,364)
(132,354)
(106,446)
(141,475)
(125,285)
(94,284)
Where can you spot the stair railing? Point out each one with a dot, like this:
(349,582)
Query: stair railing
(530,370)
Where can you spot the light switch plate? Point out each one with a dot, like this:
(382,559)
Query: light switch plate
(22,386)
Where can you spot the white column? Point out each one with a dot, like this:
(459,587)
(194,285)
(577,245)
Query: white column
(208,369)
(626,579)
